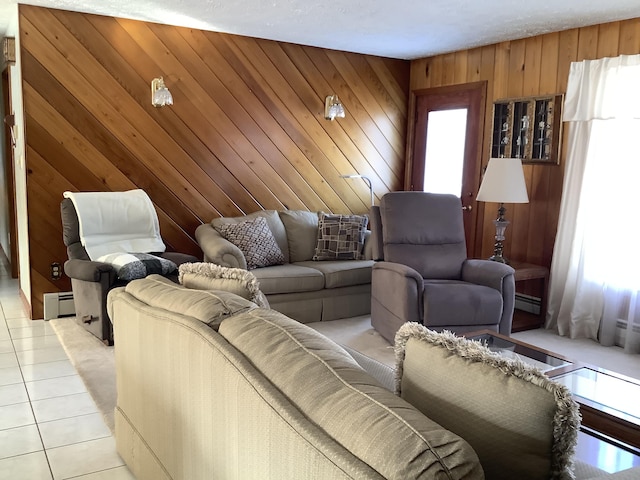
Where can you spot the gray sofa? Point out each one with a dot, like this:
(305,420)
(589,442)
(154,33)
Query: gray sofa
(303,289)
(211,386)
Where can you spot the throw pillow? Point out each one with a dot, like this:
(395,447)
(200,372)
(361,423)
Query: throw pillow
(520,423)
(210,306)
(130,266)
(255,240)
(209,276)
(340,237)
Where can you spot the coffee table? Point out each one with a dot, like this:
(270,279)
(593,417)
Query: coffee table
(609,402)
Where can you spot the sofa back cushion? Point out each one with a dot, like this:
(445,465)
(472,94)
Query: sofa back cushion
(207,306)
(328,386)
(302,232)
(273,220)
(521,424)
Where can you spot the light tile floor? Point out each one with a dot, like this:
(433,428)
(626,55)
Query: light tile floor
(50,427)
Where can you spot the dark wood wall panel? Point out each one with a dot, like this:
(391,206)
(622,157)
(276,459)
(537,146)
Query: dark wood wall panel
(528,67)
(246,130)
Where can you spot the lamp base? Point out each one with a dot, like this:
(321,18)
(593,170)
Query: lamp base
(501,226)
(499,258)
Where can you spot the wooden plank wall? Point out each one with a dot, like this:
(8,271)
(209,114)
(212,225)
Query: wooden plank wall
(246,131)
(529,67)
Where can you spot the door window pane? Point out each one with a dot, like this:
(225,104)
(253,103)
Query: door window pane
(444,157)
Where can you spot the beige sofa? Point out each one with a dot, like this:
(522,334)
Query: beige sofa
(303,289)
(211,386)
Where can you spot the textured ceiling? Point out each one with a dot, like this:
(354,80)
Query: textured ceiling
(400,29)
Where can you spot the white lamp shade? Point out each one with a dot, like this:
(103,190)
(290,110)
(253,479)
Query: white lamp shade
(503,182)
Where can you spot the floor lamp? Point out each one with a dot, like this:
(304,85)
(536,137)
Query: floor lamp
(367,180)
(503,182)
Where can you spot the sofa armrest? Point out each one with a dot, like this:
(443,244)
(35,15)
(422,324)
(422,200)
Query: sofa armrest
(367,248)
(88,271)
(486,272)
(217,249)
(179,258)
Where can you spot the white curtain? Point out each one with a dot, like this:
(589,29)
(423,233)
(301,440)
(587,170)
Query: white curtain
(595,272)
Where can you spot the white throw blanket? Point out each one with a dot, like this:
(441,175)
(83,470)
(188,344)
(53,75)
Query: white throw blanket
(112,222)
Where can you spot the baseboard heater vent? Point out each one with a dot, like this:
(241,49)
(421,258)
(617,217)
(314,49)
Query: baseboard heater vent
(58,305)
(528,303)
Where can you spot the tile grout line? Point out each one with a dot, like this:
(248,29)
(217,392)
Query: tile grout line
(44,449)
(33,413)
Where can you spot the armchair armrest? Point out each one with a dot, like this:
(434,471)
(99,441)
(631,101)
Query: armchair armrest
(217,249)
(399,289)
(495,275)
(486,272)
(88,271)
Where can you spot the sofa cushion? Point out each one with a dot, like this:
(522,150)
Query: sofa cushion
(453,303)
(254,238)
(209,276)
(521,424)
(342,273)
(130,266)
(208,306)
(302,233)
(340,237)
(273,220)
(289,278)
(325,383)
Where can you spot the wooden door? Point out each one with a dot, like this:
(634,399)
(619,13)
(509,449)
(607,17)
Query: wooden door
(469,99)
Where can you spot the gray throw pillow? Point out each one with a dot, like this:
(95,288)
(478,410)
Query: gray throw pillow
(255,240)
(340,237)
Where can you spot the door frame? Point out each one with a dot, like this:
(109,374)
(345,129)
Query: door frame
(10,178)
(474,149)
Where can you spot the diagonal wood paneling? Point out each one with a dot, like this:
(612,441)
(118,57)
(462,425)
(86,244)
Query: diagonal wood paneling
(246,130)
(529,67)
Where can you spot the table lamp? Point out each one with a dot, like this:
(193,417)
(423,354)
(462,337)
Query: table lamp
(503,182)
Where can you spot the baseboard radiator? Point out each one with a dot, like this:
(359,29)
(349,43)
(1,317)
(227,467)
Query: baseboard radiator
(58,305)
(528,303)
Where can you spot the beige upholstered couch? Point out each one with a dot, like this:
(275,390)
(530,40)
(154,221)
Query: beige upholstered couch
(211,386)
(303,289)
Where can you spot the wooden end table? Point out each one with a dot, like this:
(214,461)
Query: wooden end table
(529,271)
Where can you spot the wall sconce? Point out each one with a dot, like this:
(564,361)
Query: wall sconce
(367,180)
(160,94)
(333,108)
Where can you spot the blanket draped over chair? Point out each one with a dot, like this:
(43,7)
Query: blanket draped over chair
(113,222)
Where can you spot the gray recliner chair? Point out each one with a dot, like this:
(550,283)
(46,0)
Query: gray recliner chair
(423,274)
(91,281)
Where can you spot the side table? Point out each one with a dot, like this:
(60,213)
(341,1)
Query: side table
(528,271)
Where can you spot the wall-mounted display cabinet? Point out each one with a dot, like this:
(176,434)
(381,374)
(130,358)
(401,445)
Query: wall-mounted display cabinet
(527,128)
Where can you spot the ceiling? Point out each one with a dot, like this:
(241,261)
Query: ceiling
(405,29)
